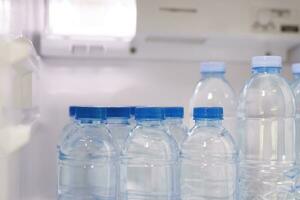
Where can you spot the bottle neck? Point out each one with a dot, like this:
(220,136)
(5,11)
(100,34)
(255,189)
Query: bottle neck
(117,120)
(296,76)
(208,122)
(86,121)
(173,120)
(73,119)
(212,75)
(149,123)
(266,70)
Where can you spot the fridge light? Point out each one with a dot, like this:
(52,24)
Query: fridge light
(96,18)
(4,16)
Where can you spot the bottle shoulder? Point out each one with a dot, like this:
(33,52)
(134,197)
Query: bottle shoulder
(67,129)
(209,140)
(126,128)
(267,95)
(214,85)
(176,127)
(214,92)
(92,140)
(150,143)
(264,79)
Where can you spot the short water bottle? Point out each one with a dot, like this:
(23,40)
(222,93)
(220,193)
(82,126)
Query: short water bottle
(150,159)
(266,115)
(118,124)
(213,90)
(87,163)
(296,89)
(174,123)
(209,156)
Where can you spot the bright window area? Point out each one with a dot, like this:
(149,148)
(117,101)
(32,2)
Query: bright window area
(4,16)
(99,18)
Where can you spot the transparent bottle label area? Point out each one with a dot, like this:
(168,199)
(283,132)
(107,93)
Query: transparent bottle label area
(268,156)
(149,181)
(87,180)
(208,180)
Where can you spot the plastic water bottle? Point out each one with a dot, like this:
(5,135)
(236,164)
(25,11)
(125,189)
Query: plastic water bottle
(87,166)
(296,89)
(150,159)
(70,126)
(213,90)
(266,117)
(174,123)
(118,124)
(209,159)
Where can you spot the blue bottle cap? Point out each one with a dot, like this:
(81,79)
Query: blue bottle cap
(266,61)
(97,113)
(72,111)
(296,68)
(210,67)
(119,112)
(149,113)
(174,112)
(208,113)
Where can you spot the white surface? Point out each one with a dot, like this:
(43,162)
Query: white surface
(4,16)
(101,18)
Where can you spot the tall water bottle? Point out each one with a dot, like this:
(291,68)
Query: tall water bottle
(150,159)
(174,123)
(209,155)
(296,89)
(70,126)
(213,90)
(266,114)
(118,124)
(87,165)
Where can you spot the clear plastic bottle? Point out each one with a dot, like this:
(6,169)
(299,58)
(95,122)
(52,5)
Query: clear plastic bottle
(296,89)
(150,159)
(266,114)
(174,123)
(118,124)
(213,90)
(71,125)
(209,156)
(87,165)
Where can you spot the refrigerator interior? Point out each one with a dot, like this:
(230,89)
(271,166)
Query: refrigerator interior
(154,77)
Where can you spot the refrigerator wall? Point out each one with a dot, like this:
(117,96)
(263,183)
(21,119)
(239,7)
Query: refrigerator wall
(152,67)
